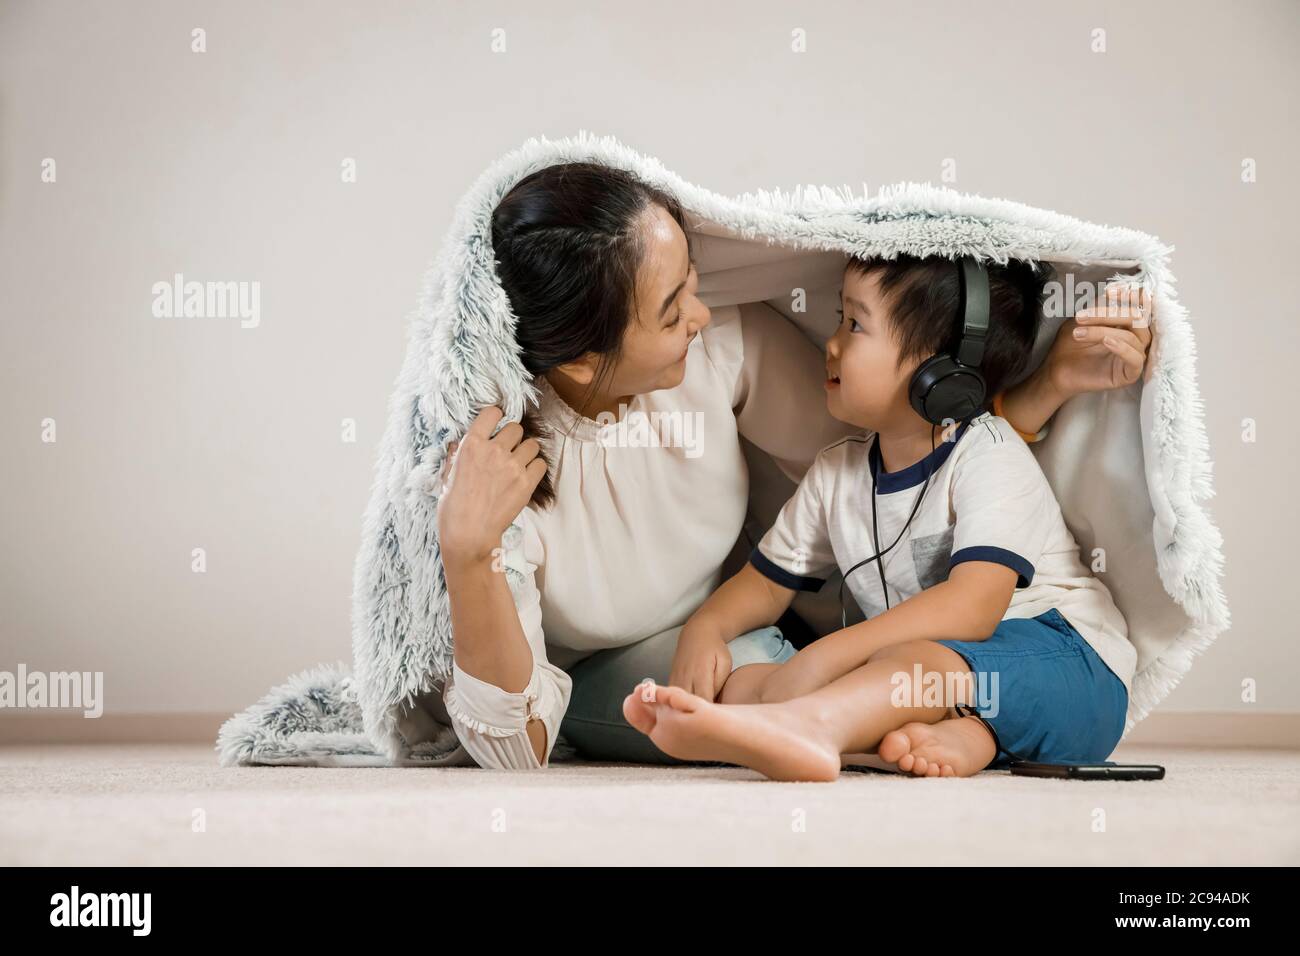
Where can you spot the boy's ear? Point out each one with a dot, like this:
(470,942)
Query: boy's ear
(581,370)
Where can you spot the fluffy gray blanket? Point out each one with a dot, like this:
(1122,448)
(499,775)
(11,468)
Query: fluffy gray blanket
(1129,467)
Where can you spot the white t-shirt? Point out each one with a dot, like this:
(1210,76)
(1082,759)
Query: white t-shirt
(987,500)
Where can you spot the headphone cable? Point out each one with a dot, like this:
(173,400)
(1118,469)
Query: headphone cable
(875,533)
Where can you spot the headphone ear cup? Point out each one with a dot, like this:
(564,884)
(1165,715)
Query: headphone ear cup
(924,379)
(943,390)
(966,394)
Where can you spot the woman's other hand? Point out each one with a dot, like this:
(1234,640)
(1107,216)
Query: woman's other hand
(1103,347)
(1098,349)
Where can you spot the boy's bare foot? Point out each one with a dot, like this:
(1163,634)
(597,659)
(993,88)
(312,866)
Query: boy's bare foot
(781,742)
(957,747)
(639,707)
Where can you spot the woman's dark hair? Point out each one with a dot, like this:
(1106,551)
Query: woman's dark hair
(567,249)
(923,297)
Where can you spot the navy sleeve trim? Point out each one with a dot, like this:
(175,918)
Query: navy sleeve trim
(774,572)
(1002,556)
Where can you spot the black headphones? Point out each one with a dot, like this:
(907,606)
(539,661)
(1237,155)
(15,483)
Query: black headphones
(946,387)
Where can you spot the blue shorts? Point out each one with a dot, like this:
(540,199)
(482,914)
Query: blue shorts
(1045,692)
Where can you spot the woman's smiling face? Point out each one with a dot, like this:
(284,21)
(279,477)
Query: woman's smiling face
(667,315)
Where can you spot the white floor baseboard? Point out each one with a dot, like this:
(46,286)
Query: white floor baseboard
(1273,731)
(1270,730)
(63,728)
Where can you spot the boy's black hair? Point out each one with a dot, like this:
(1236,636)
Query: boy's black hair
(923,296)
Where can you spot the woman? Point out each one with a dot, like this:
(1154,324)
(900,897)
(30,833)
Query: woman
(620,545)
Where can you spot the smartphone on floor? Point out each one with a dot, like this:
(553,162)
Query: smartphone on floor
(1089,771)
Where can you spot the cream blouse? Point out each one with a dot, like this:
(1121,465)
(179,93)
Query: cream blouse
(646,511)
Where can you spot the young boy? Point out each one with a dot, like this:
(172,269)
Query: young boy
(985,635)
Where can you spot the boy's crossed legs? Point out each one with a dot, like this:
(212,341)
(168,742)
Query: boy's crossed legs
(803,738)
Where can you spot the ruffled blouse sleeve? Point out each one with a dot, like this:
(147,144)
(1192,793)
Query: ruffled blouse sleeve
(492,723)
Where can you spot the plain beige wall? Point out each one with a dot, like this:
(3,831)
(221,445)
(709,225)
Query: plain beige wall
(175,434)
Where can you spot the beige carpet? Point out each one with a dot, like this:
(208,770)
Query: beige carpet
(105,804)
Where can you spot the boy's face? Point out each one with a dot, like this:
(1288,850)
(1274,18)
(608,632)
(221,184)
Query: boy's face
(865,386)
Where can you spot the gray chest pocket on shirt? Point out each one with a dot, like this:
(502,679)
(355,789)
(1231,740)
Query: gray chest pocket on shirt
(930,556)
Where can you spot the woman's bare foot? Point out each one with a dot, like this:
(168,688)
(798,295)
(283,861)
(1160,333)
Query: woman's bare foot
(957,747)
(779,741)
